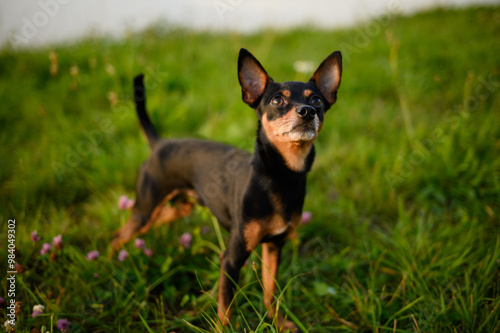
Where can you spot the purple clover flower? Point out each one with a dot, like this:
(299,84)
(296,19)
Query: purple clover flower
(63,325)
(122,255)
(140,243)
(92,255)
(306,217)
(34,236)
(57,241)
(45,248)
(124,203)
(185,240)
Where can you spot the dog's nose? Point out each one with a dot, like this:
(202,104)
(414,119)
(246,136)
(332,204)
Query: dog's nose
(306,112)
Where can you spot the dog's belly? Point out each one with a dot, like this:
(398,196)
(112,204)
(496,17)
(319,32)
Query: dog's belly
(215,171)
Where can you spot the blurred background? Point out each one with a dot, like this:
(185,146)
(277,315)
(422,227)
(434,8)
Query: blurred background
(45,21)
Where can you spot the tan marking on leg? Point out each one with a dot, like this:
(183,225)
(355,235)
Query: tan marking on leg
(269,271)
(125,233)
(252,234)
(160,215)
(175,212)
(270,256)
(168,214)
(225,310)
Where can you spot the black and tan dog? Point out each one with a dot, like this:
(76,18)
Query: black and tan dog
(257,197)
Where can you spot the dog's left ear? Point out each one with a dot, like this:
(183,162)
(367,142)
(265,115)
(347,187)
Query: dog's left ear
(327,76)
(253,78)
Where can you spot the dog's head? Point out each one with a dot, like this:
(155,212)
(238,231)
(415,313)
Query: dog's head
(290,111)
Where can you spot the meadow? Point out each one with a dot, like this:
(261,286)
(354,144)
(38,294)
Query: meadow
(404,193)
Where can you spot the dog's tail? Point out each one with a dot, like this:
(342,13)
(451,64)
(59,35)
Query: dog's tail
(140,106)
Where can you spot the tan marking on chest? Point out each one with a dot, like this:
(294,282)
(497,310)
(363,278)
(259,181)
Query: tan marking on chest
(294,153)
(276,225)
(256,230)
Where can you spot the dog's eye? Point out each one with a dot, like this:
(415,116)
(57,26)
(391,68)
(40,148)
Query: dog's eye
(316,101)
(278,101)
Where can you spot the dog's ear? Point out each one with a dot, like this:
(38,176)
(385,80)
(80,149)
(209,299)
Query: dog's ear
(327,76)
(253,78)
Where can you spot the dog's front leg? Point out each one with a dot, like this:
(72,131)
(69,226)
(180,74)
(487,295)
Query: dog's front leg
(231,262)
(270,258)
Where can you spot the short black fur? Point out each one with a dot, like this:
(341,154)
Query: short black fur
(258,197)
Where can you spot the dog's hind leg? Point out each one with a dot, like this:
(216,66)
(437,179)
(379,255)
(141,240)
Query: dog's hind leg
(180,205)
(149,196)
(144,216)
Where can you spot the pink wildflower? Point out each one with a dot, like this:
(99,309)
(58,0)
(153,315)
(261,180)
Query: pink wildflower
(185,240)
(122,255)
(45,248)
(122,202)
(34,314)
(34,236)
(63,325)
(125,203)
(306,217)
(140,244)
(148,252)
(92,255)
(57,241)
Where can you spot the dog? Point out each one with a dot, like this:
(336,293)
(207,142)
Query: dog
(258,197)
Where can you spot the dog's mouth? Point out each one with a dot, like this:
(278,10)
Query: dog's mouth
(302,132)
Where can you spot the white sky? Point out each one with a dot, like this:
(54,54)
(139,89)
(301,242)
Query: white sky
(37,22)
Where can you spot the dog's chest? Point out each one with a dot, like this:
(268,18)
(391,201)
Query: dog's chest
(257,230)
(285,216)
(276,224)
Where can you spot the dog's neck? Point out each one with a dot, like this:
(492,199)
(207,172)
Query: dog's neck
(269,160)
(270,171)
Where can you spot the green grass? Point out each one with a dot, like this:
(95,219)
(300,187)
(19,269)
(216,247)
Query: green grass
(405,190)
